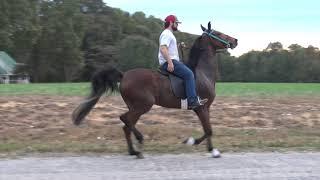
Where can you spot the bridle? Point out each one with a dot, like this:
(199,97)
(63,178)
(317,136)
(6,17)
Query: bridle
(212,35)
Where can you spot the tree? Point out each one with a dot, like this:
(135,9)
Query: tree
(294,47)
(5,27)
(139,17)
(137,52)
(63,39)
(19,27)
(276,46)
(227,67)
(58,48)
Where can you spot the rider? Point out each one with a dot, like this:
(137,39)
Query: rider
(169,60)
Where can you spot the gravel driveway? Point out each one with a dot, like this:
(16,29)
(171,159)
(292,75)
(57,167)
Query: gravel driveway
(158,167)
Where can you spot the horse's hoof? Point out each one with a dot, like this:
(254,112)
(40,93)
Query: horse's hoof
(189,141)
(140,156)
(216,153)
(133,153)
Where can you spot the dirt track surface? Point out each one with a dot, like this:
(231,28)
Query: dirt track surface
(48,117)
(32,115)
(260,166)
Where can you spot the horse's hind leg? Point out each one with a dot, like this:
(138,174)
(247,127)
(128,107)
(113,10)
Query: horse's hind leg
(127,133)
(130,119)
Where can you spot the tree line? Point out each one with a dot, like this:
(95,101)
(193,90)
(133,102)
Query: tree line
(67,40)
(273,64)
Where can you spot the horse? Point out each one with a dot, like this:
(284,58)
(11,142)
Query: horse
(142,88)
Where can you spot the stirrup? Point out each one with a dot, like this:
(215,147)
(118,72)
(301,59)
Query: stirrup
(202,101)
(199,102)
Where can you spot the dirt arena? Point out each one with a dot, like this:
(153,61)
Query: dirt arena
(48,117)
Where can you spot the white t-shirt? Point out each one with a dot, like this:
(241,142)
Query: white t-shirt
(167,38)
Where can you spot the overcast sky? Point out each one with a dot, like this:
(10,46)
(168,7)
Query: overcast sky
(255,23)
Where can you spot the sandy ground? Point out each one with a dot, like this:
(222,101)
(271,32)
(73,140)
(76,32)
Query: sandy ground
(38,116)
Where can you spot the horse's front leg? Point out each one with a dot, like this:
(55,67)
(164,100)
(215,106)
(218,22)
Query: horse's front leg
(203,115)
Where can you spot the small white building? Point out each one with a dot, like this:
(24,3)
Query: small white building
(14,78)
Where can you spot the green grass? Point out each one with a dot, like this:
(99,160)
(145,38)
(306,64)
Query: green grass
(268,89)
(223,89)
(226,139)
(64,89)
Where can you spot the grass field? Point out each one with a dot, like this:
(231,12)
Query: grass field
(228,140)
(223,89)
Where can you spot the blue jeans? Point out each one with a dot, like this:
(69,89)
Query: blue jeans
(182,71)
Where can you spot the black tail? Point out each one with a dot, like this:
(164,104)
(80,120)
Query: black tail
(102,81)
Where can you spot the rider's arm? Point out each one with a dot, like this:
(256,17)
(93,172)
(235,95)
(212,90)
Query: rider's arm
(165,53)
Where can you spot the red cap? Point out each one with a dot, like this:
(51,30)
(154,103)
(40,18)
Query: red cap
(172,18)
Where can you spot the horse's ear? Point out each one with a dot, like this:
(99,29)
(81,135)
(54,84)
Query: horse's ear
(209,26)
(203,28)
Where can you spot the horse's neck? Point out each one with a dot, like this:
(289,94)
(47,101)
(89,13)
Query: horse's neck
(207,66)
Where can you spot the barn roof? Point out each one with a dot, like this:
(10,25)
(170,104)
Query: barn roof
(7,64)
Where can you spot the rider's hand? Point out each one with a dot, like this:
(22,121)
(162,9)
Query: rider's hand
(170,67)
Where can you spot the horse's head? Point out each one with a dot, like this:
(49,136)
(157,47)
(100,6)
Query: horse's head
(210,41)
(216,39)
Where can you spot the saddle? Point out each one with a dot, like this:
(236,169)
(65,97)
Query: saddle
(177,84)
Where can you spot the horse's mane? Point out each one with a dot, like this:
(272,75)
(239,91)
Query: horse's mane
(194,55)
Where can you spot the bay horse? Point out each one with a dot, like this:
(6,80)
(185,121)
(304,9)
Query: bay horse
(142,88)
